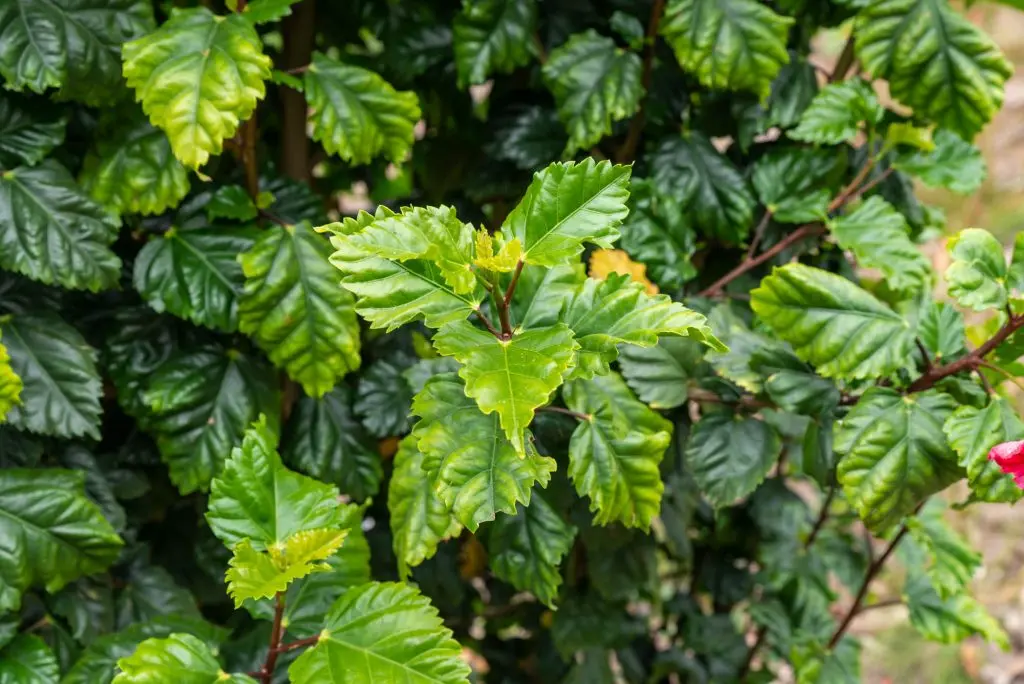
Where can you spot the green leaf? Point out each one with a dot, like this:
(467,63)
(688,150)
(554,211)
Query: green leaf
(384,397)
(476,471)
(837,327)
(567,205)
(792,384)
(132,169)
(607,313)
(51,533)
(61,389)
(878,236)
(511,377)
(178,658)
(658,234)
(194,273)
(894,453)
(29,129)
(201,404)
(28,660)
(391,293)
(257,498)
(10,383)
(526,549)
(294,310)
(255,575)
(935,60)
(837,111)
(52,232)
(419,518)
(734,365)
(356,114)
(614,454)
(231,202)
(954,164)
(660,375)
(690,169)
(150,594)
(792,92)
(791,183)
(267,11)
(198,76)
(728,44)
(841,665)
(492,37)
(972,433)
(951,561)
(730,456)
(950,620)
(74,45)
(542,294)
(323,439)
(941,329)
(98,486)
(585,622)
(595,84)
(382,632)
(977,275)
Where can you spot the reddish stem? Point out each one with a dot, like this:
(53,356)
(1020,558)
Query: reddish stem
(934,374)
(267,671)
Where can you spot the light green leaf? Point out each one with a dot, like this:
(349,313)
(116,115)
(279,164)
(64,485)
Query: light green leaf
(595,84)
(419,518)
(132,169)
(257,498)
(941,329)
(791,183)
(61,389)
(231,202)
(837,112)
(660,375)
(356,114)
(977,275)
(50,533)
(198,77)
(566,206)
(177,659)
(383,632)
(841,665)
(837,327)
(614,455)
(728,44)
(491,37)
(543,292)
(29,129)
(255,575)
(894,453)
(951,561)
(201,404)
(476,470)
(935,60)
(607,313)
(730,456)
(194,273)
(267,11)
(294,310)
(950,620)
(52,232)
(716,196)
(391,293)
(659,234)
(878,236)
(513,377)
(954,164)
(28,660)
(526,549)
(10,383)
(972,433)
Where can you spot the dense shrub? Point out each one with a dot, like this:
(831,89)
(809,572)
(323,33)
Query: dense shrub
(249,429)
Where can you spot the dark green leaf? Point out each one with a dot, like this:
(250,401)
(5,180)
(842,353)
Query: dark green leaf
(791,183)
(837,112)
(731,456)
(27,660)
(29,129)
(493,36)
(660,375)
(384,398)
(658,233)
(954,164)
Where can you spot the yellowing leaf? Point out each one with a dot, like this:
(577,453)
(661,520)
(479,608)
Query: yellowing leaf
(502,261)
(10,384)
(256,575)
(307,546)
(605,261)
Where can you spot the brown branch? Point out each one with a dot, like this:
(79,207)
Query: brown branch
(992,367)
(759,233)
(628,150)
(247,156)
(515,281)
(924,353)
(871,184)
(566,412)
(845,61)
(487,323)
(936,373)
(797,235)
(266,673)
(299,643)
(885,603)
(299,33)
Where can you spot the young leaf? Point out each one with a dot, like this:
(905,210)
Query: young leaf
(504,260)
(10,383)
(526,549)
(419,518)
(837,327)
(607,313)
(29,129)
(61,389)
(295,311)
(194,273)
(178,658)
(405,639)
(201,403)
(492,36)
(957,73)
(837,111)
(660,374)
(255,575)
(257,498)
(513,377)
(595,84)
(952,619)
(972,433)
(567,205)
(977,275)
(267,11)
(28,660)
(954,164)
(614,454)
(52,232)
(543,293)
(894,453)
(791,183)
(476,470)
(731,456)
(951,561)
(52,533)
(198,77)
(708,184)
(733,44)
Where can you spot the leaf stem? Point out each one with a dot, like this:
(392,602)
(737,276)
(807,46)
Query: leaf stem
(503,303)
(247,154)
(566,412)
(636,126)
(276,633)
(487,323)
(933,375)
(845,61)
(299,643)
(759,233)
(924,353)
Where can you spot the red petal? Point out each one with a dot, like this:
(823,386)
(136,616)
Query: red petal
(1009,456)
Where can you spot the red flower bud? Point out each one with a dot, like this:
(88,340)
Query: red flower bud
(1009,456)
